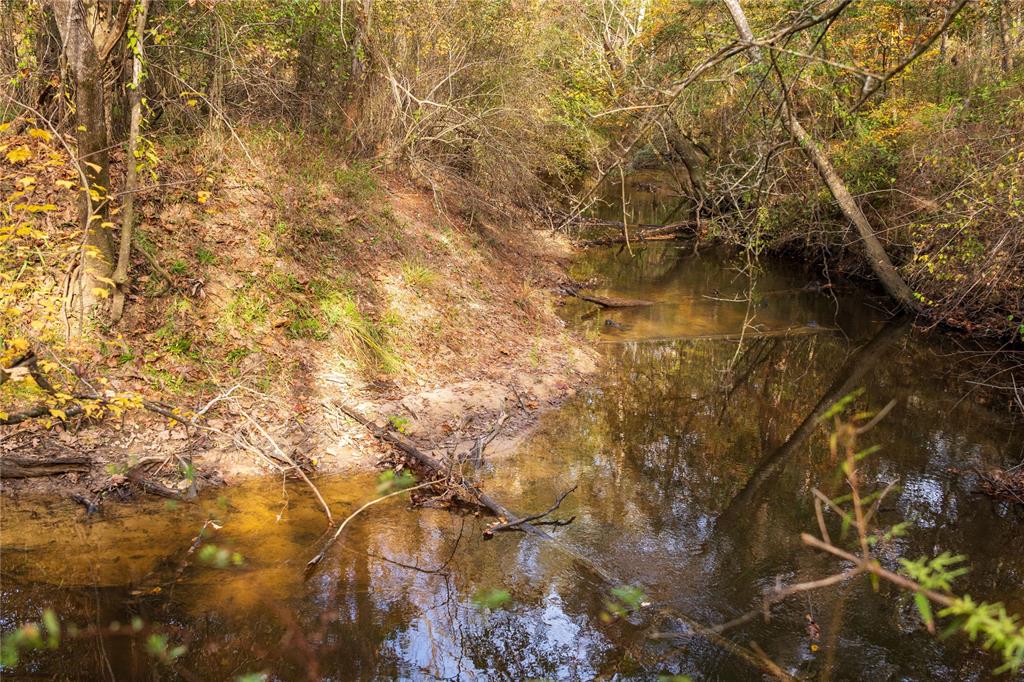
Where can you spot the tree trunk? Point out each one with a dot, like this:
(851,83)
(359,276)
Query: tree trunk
(91,135)
(1005,23)
(690,155)
(124,253)
(877,257)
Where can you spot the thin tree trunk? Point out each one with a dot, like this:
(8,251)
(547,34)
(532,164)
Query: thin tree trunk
(877,257)
(124,253)
(1005,22)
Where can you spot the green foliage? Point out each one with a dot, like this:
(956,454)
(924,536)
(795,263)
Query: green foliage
(998,631)
(205,256)
(490,599)
(417,276)
(219,557)
(43,635)
(399,423)
(623,600)
(356,182)
(158,646)
(937,573)
(389,481)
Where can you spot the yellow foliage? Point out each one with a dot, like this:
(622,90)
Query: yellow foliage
(19,154)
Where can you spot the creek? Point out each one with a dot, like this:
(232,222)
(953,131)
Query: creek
(694,450)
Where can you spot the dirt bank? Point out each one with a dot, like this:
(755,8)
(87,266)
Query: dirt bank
(296,286)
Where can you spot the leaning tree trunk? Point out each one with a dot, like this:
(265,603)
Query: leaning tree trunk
(877,257)
(86,61)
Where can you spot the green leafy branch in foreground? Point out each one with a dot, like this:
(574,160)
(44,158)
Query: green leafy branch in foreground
(930,580)
(48,633)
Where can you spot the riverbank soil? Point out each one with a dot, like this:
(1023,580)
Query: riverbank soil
(296,282)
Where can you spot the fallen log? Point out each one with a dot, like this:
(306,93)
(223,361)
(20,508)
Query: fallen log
(153,487)
(732,336)
(436,467)
(509,521)
(647,233)
(21,467)
(611,302)
(605,301)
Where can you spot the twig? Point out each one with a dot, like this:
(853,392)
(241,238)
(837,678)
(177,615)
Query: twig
(334,538)
(283,455)
(514,525)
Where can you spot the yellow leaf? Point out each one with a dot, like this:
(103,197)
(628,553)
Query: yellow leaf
(202,196)
(19,154)
(38,132)
(41,208)
(102,292)
(4,415)
(66,184)
(59,413)
(27,180)
(93,166)
(192,102)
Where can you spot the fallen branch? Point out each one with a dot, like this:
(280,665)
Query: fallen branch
(772,333)
(647,233)
(470,491)
(605,301)
(337,534)
(514,525)
(291,462)
(528,527)
(153,487)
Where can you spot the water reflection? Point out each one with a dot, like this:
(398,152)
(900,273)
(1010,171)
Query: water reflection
(695,459)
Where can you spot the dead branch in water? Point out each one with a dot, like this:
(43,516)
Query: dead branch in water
(1002,484)
(646,233)
(337,534)
(526,525)
(469,491)
(513,525)
(604,301)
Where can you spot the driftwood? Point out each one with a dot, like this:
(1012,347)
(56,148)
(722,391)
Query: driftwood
(732,336)
(604,301)
(20,467)
(1002,484)
(528,524)
(646,233)
(436,467)
(153,487)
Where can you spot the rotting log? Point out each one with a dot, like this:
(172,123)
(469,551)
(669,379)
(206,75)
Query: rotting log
(21,467)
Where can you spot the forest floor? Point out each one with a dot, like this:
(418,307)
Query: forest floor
(301,283)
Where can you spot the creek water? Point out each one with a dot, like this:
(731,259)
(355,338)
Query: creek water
(694,450)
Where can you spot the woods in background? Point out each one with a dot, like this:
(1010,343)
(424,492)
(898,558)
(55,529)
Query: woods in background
(911,112)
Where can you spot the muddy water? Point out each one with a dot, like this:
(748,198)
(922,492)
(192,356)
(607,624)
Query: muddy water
(694,452)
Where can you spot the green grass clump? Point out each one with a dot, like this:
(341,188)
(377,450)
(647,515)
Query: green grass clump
(417,276)
(369,340)
(356,182)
